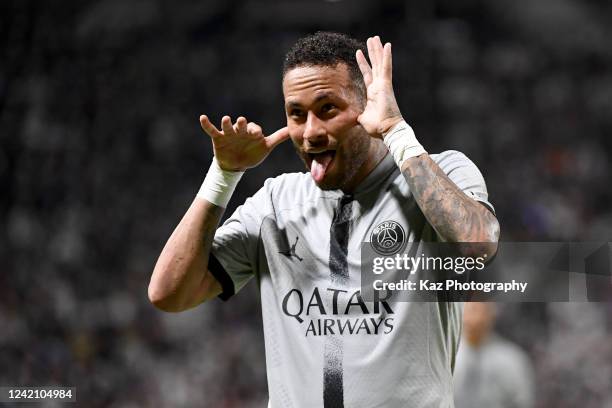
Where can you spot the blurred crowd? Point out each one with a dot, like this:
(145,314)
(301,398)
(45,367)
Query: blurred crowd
(101,153)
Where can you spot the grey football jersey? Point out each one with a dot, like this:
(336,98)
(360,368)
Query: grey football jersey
(325,345)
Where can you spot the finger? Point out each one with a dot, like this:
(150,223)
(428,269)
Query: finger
(208,127)
(372,55)
(254,128)
(364,67)
(226,125)
(277,137)
(241,125)
(387,62)
(378,51)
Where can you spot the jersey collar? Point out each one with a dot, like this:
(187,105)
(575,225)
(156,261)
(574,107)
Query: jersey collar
(377,178)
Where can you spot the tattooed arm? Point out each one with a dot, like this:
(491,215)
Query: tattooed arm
(454,215)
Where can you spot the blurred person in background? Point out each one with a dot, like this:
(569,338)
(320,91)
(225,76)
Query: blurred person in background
(490,371)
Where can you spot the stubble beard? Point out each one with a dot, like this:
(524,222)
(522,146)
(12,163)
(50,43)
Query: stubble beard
(352,155)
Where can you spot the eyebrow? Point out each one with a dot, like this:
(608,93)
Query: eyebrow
(318,98)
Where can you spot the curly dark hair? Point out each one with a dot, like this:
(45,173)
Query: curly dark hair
(328,49)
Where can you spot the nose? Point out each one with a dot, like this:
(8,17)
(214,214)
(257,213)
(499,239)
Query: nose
(315,134)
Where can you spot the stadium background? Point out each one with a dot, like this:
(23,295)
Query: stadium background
(102,152)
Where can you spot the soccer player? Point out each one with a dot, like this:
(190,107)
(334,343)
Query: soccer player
(300,235)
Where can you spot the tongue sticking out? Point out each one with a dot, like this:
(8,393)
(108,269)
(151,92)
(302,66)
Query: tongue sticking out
(319,165)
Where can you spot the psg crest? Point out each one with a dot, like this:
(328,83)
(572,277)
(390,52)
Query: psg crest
(387,238)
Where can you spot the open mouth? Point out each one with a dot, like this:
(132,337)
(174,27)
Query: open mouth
(320,163)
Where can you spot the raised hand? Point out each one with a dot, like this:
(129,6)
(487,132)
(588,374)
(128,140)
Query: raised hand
(381,112)
(242,145)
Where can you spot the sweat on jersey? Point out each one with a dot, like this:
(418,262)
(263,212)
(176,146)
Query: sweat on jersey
(326,346)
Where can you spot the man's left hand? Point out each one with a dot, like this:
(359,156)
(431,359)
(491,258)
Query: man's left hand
(381,112)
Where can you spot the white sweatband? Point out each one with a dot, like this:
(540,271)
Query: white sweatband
(402,143)
(219,184)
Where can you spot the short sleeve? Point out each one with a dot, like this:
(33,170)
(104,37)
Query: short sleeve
(234,249)
(464,173)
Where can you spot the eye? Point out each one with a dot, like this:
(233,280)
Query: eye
(327,107)
(296,113)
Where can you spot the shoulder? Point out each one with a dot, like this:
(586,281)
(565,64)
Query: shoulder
(451,159)
(465,174)
(289,183)
(460,169)
(289,189)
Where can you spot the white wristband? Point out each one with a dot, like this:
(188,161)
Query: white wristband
(402,143)
(219,184)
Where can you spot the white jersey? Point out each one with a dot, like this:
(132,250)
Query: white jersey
(325,345)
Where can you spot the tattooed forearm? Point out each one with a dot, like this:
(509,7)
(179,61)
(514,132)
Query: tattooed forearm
(455,216)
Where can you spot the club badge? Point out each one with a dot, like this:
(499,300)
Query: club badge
(388,238)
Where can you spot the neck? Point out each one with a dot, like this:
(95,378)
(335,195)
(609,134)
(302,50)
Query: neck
(376,152)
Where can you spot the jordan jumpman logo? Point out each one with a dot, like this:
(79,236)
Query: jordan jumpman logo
(291,251)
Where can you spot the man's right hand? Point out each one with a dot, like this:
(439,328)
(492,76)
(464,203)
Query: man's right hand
(242,145)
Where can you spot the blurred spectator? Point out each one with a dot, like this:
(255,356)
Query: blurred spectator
(490,371)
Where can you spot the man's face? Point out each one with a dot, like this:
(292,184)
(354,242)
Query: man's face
(322,109)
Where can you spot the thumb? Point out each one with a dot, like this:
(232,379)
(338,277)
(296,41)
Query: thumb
(277,137)
(360,119)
